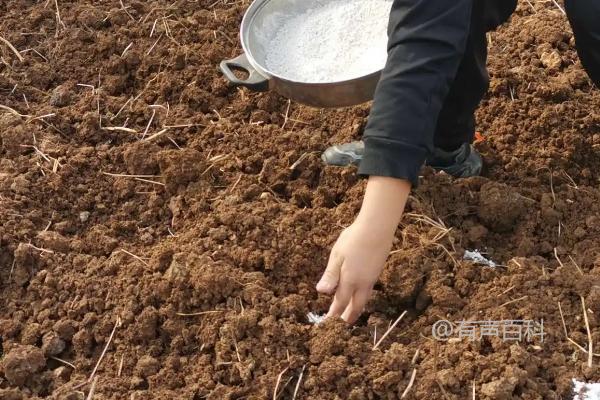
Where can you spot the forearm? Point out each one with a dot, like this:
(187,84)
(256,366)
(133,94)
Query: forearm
(383,203)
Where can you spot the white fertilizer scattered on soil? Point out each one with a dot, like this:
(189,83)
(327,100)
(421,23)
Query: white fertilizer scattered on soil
(586,391)
(315,319)
(333,41)
(478,258)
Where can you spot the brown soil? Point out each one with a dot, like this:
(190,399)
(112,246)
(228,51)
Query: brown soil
(221,225)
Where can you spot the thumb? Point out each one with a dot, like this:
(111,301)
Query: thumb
(331,276)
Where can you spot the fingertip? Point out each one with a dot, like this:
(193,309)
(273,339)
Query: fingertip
(350,316)
(333,312)
(325,287)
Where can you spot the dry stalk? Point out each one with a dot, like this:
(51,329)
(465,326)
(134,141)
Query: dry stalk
(232,188)
(513,301)
(149,123)
(559,230)
(286,116)
(298,383)
(88,86)
(119,128)
(38,151)
(58,19)
(439,225)
(559,7)
(60,360)
(126,49)
(125,9)
(134,256)
(130,176)
(154,45)
(36,52)
(121,109)
(558,259)
(218,158)
(576,266)
(90,395)
(276,390)
(5,63)
(41,117)
(237,351)
(198,313)
(153,27)
(299,160)
(12,48)
(174,142)
(573,184)
(26,102)
(552,188)
(183,126)
(285,385)
(389,330)
(150,181)
(157,134)
(120,370)
(375,336)
(40,249)
(442,389)
(98,108)
(562,318)
(13,111)
(12,268)
(110,338)
(414,359)
(410,383)
(589,333)
(456,264)
(507,290)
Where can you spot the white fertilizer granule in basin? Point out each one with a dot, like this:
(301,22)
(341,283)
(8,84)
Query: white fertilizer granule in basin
(335,40)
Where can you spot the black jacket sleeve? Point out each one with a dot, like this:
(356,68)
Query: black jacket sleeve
(427,40)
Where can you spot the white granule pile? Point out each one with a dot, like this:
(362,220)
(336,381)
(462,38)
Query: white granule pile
(335,40)
(315,318)
(586,391)
(478,258)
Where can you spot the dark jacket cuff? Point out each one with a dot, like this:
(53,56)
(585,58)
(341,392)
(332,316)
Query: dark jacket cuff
(390,158)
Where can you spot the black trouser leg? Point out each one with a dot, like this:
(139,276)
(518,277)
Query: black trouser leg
(456,121)
(584,16)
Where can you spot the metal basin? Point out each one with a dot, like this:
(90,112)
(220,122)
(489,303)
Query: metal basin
(259,25)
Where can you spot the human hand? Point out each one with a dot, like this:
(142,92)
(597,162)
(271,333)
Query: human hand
(359,254)
(355,263)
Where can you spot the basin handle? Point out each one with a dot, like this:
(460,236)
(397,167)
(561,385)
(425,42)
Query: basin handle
(255,80)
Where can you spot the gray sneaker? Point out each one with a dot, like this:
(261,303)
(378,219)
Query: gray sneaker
(461,163)
(342,155)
